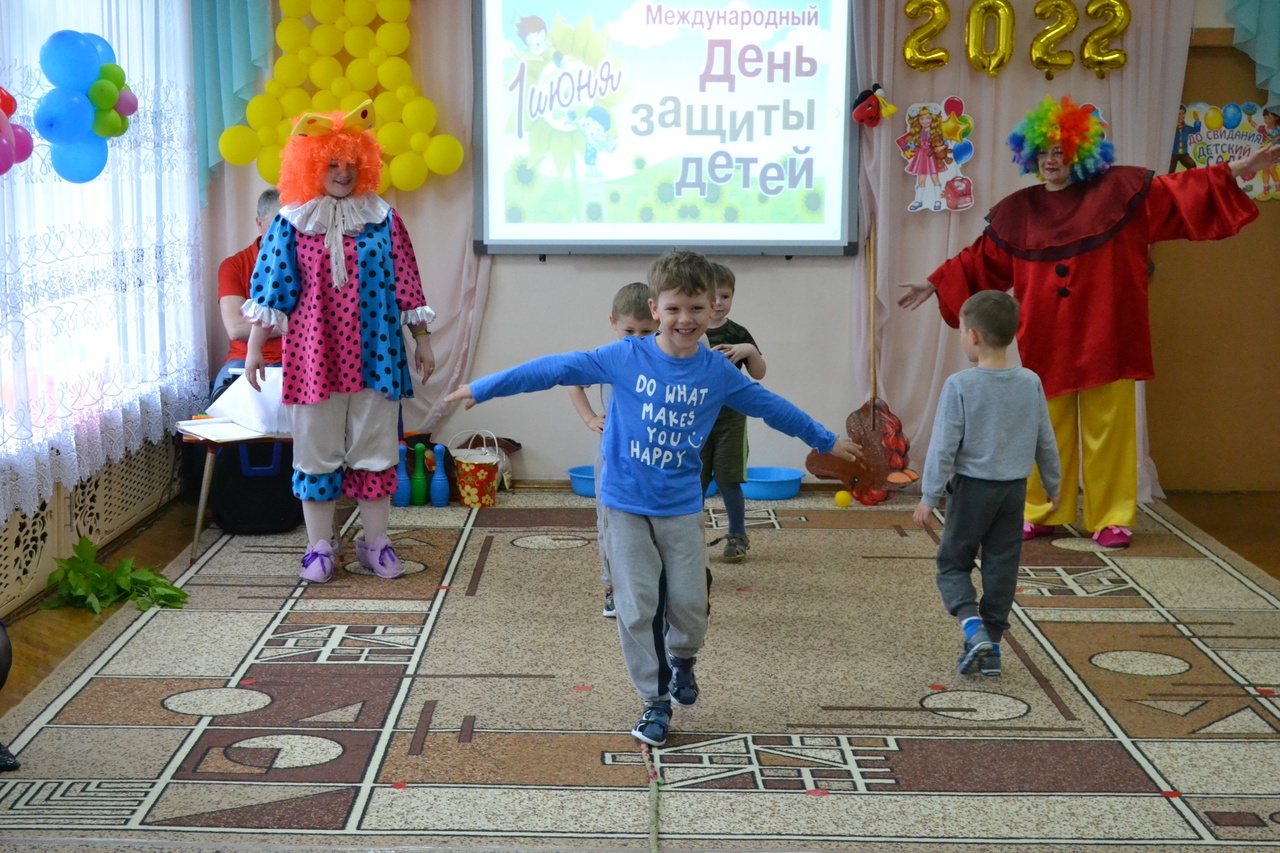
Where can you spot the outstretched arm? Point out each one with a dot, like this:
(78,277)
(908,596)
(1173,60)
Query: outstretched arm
(461,394)
(1264,158)
(916,295)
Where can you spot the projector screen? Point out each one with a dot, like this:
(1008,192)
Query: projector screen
(630,127)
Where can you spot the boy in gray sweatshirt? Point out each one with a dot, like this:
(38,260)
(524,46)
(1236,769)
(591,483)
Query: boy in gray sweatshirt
(992,424)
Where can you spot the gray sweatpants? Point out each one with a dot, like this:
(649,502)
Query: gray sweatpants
(984,514)
(660,589)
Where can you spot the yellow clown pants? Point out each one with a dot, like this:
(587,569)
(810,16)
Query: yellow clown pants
(1097,436)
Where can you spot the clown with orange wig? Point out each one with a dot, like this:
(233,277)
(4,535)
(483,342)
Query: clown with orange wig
(338,278)
(1074,252)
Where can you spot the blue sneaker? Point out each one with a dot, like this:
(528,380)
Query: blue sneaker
(653,724)
(684,684)
(976,650)
(990,665)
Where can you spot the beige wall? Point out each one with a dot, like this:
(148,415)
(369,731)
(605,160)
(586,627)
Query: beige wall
(1215,316)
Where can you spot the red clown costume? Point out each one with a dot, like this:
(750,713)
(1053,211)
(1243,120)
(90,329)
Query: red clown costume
(1076,258)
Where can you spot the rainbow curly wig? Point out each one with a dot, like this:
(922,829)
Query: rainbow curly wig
(305,159)
(1077,130)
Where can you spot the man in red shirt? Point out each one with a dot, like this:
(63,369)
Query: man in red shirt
(233,290)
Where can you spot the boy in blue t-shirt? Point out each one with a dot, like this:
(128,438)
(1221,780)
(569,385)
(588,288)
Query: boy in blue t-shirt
(629,316)
(667,391)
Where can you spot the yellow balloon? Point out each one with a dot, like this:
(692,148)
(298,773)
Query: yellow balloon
(384,179)
(290,70)
(274,88)
(292,35)
(284,129)
(351,100)
(308,55)
(326,39)
(362,74)
(393,11)
(377,55)
(343,24)
(975,35)
(326,11)
(268,136)
(407,93)
(262,111)
(394,138)
(843,499)
(269,164)
(1096,53)
(295,8)
(420,115)
(408,171)
(1045,54)
(1213,119)
(295,102)
(238,145)
(915,49)
(360,12)
(419,142)
(387,107)
(341,87)
(324,71)
(394,73)
(359,41)
(393,38)
(324,101)
(444,154)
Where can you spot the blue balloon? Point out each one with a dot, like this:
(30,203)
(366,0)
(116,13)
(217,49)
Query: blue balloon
(70,59)
(1231,116)
(1249,108)
(80,161)
(106,54)
(64,116)
(963,151)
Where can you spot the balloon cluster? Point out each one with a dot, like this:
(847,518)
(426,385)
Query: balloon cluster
(88,104)
(353,53)
(956,127)
(15,140)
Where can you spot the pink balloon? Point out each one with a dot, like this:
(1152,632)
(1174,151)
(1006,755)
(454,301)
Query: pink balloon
(6,155)
(953,106)
(6,131)
(127,104)
(22,144)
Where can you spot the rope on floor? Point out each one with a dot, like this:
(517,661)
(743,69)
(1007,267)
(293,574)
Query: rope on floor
(653,797)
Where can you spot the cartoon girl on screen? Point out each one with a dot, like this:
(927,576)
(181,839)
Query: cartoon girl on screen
(927,153)
(1270,130)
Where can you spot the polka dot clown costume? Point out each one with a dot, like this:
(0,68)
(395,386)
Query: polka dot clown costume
(338,278)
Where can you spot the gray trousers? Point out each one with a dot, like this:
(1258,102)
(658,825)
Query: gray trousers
(660,590)
(986,515)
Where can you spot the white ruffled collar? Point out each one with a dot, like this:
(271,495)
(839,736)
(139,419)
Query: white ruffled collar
(322,213)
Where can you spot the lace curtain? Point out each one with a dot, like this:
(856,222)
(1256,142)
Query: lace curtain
(102,343)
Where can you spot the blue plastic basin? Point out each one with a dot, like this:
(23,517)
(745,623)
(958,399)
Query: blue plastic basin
(582,479)
(772,484)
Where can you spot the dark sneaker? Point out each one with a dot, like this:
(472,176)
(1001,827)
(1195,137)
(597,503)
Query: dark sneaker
(684,684)
(7,761)
(735,549)
(653,724)
(990,665)
(976,650)
(610,611)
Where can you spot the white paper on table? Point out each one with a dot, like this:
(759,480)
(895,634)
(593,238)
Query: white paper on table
(257,410)
(217,429)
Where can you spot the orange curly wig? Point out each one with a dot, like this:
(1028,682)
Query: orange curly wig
(305,159)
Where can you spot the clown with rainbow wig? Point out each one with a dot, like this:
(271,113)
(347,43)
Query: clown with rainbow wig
(338,278)
(1073,250)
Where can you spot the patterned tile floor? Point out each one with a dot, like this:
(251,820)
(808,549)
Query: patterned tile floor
(480,702)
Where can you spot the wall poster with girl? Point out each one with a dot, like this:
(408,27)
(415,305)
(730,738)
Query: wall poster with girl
(1208,134)
(935,146)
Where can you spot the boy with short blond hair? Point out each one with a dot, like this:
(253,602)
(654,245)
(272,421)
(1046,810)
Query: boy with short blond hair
(724,456)
(992,424)
(667,390)
(629,316)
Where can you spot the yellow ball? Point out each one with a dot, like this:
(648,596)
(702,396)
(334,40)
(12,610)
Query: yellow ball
(290,70)
(361,12)
(294,102)
(420,115)
(1213,119)
(324,101)
(362,74)
(326,11)
(393,38)
(269,164)
(351,100)
(359,41)
(387,107)
(292,35)
(377,55)
(843,499)
(326,40)
(384,178)
(394,73)
(308,55)
(395,139)
(263,111)
(324,71)
(408,171)
(393,10)
(444,154)
(238,145)
(295,8)
(341,87)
